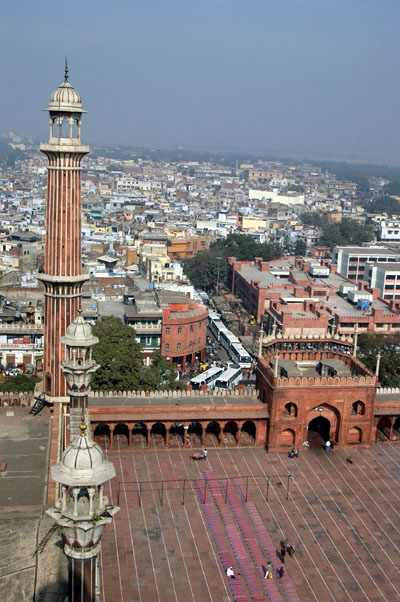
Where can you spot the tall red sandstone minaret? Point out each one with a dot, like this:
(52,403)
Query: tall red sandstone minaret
(63,277)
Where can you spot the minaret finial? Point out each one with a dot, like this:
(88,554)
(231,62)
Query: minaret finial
(83,425)
(66,70)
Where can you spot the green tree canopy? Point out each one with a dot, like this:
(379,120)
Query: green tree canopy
(368,347)
(385,204)
(346,232)
(118,355)
(208,267)
(18,383)
(300,247)
(121,362)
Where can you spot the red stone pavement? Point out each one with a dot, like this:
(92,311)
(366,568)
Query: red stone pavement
(343,519)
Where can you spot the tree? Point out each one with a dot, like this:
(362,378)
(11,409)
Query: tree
(346,232)
(301,247)
(385,204)
(209,267)
(161,375)
(20,383)
(118,354)
(368,347)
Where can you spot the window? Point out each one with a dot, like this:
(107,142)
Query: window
(166,346)
(178,346)
(179,330)
(191,328)
(198,340)
(200,324)
(191,344)
(167,331)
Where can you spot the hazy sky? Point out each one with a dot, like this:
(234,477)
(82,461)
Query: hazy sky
(312,76)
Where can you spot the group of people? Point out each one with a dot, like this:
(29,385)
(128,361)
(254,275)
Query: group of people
(294,453)
(230,573)
(288,547)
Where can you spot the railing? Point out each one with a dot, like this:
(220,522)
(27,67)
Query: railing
(21,345)
(21,327)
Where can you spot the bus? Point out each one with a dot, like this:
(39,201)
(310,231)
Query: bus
(229,379)
(228,339)
(217,328)
(239,355)
(207,378)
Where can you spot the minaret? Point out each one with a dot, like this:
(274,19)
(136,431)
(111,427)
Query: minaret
(63,277)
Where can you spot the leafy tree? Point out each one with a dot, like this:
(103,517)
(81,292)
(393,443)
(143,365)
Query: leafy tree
(118,355)
(385,204)
(346,232)
(312,218)
(18,383)
(209,267)
(161,375)
(301,247)
(368,347)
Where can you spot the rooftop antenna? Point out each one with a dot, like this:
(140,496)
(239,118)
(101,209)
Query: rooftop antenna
(66,70)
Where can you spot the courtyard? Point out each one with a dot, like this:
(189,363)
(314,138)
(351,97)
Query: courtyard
(182,522)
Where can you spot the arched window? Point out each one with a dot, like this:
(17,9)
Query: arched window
(358,408)
(290,410)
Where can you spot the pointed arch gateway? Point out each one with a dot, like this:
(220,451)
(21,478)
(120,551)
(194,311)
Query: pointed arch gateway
(323,424)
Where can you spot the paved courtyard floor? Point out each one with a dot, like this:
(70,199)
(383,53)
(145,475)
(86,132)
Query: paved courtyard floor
(342,518)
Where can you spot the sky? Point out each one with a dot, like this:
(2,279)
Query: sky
(312,77)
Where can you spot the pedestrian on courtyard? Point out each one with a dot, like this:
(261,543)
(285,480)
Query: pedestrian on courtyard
(327,445)
(290,549)
(205,452)
(230,573)
(283,553)
(268,571)
(281,572)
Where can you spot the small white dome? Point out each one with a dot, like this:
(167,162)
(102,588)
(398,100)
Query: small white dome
(79,334)
(65,98)
(83,454)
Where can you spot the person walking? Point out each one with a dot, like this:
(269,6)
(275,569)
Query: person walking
(230,573)
(327,445)
(268,571)
(281,572)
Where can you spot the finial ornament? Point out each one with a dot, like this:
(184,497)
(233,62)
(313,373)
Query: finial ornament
(66,70)
(83,425)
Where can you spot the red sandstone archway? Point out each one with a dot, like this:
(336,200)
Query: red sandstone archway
(158,435)
(121,436)
(139,435)
(230,433)
(383,429)
(213,434)
(354,435)
(176,435)
(287,438)
(195,434)
(248,433)
(332,415)
(319,431)
(102,435)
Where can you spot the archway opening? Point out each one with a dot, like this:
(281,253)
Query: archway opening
(248,433)
(230,433)
(396,427)
(121,436)
(318,431)
(139,435)
(383,429)
(101,435)
(358,408)
(213,433)
(195,433)
(176,435)
(290,410)
(158,435)
(354,435)
(287,438)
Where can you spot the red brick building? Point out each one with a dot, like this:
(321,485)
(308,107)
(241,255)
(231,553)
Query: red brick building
(184,330)
(315,391)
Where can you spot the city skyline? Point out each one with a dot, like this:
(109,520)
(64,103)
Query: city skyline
(295,77)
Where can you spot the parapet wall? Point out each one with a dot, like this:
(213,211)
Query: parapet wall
(244,392)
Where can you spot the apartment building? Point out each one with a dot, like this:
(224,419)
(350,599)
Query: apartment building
(351,261)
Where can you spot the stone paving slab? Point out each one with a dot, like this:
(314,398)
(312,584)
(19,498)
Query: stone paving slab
(342,518)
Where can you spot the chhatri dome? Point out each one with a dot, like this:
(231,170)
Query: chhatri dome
(65,98)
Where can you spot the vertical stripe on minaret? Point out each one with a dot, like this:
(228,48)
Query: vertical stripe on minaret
(63,277)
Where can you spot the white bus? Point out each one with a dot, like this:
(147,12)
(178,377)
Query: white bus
(228,339)
(229,379)
(217,328)
(239,355)
(208,378)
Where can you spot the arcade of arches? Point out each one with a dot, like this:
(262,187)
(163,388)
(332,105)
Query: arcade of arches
(129,435)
